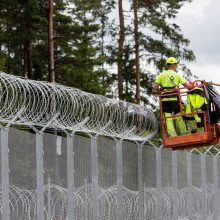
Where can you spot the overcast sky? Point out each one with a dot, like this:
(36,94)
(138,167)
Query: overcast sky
(199,21)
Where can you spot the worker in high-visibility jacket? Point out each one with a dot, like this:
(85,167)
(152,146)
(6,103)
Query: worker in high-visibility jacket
(167,80)
(196,102)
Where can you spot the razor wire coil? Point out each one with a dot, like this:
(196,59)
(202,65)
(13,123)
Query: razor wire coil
(37,103)
(23,203)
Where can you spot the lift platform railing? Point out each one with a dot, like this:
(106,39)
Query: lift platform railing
(210,129)
(180,93)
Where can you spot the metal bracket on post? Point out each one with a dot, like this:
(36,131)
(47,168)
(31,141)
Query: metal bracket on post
(77,127)
(124,136)
(50,122)
(17,115)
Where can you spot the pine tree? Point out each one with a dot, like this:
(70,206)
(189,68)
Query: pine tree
(81,53)
(78,58)
(159,37)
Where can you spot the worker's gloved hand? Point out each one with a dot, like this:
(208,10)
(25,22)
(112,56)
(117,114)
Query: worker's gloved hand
(190,86)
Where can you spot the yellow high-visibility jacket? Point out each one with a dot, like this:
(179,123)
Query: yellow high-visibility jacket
(195,100)
(170,79)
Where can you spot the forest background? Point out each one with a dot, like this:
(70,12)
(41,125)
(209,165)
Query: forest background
(109,47)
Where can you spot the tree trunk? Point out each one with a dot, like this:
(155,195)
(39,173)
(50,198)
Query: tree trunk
(28,53)
(120,49)
(25,72)
(51,43)
(53,98)
(137,61)
(29,57)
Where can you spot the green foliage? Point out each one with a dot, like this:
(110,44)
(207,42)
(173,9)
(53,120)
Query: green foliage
(159,37)
(2,64)
(85,42)
(167,39)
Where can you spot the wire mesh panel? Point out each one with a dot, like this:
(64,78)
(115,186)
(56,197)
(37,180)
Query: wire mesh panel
(83,177)
(107,178)
(166,157)
(149,174)
(107,162)
(55,157)
(196,170)
(22,159)
(209,170)
(22,162)
(130,165)
(55,174)
(82,155)
(194,194)
(166,163)
(149,160)
(181,169)
(130,179)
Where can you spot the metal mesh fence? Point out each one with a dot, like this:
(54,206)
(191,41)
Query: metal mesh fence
(86,157)
(22,159)
(87,177)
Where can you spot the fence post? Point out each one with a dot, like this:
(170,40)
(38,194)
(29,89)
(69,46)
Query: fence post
(40,167)
(70,176)
(189,183)
(203,184)
(94,160)
(140,183)
(86,201)
(5,173)
(216,193)
(174,185)
(49,198)
(119,180)
(159,207)
(40,176)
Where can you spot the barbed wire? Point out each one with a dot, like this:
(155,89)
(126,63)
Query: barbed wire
(37,103)
(23,202)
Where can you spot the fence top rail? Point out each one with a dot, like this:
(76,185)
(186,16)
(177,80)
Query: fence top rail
(38,103)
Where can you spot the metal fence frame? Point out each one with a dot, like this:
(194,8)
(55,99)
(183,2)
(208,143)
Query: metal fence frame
(124,122)
(171,201)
